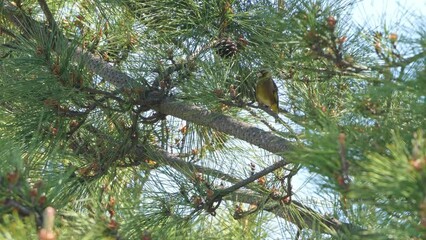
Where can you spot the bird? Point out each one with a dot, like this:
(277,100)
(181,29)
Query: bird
(267,91)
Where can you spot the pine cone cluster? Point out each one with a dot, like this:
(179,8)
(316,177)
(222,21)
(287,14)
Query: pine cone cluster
(226,48)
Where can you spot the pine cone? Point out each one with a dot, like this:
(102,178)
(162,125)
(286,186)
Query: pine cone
(226,48)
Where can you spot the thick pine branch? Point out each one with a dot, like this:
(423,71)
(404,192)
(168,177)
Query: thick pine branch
(256,136)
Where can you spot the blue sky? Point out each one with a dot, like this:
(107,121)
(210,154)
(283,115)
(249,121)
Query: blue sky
(392,13)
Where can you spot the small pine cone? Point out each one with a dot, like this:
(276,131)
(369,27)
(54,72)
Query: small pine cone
(226,48)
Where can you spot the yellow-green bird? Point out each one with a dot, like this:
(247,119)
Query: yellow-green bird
(267,91)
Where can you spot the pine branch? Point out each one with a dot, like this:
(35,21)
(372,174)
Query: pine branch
(243,131)
(6,31)
(403,63)
(252,178)
(94,63)
(296,213)
(106,71)
(304,216)
(48,14)
(225,124)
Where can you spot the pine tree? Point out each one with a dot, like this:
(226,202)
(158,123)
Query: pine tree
(137,119)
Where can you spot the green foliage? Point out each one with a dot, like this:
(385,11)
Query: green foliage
(395,183)
(15,227)
(75,136)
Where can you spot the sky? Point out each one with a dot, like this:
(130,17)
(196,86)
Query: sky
(394,14)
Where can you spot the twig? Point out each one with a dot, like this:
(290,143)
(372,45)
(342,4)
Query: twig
(48,14)
(22,210)
(252,178)
(289,191)
(179,66)
(7,32)
(304,216)
(105,93)
(402,63)
(299,230)
(344,161)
